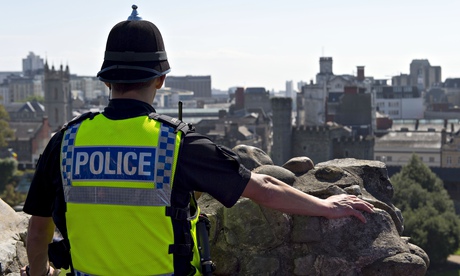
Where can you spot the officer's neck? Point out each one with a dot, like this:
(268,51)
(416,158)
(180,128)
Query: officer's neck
(146,94)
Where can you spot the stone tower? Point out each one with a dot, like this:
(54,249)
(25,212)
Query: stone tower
(282,130)
(58,100)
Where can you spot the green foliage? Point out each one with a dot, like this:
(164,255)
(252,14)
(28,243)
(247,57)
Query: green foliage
(10,194)
(31,98)
(11,197)
(7,170)
(5,130)
(428,211)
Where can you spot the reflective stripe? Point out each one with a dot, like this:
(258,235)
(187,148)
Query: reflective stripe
(67,154)
(166,147)
(79,273)
(158,196)
(117,196)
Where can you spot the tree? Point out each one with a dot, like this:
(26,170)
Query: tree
(5,130)
(428,211)
(31,98)
(7,170)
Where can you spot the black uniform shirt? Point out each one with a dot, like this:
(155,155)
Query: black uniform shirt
(202,166)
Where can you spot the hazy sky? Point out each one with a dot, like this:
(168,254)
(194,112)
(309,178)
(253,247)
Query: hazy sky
(243,42)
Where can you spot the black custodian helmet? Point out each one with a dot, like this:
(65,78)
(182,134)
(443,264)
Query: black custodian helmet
(134,53)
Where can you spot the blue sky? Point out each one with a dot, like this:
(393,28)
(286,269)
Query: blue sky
(243,43)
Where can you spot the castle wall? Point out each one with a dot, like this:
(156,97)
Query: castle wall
(312,142)
(359,148)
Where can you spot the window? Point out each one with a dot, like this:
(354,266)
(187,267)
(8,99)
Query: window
(449,160)
(431,160)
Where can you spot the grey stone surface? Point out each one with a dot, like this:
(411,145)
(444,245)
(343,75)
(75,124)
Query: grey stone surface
(249,239)
(13,229)
(299,165)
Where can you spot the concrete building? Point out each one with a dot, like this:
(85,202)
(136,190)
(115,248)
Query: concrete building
(89,88)
(426,138)
(451,87)
(401,80)
(354,110)
(32,65)
(450,152)
(20,88)
(248,128)
(257,97)
(397,147)
(311,105)
(168,97)
(200,85)
(399,102)
(423,75)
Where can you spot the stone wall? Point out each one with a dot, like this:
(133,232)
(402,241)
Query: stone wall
(248,239)
(13,231)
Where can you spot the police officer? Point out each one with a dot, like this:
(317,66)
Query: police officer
(119,185)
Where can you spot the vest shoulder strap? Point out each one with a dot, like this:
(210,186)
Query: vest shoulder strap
(174,122)
(87,115)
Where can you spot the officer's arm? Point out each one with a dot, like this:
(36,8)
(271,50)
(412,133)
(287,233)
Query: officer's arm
(273,193)
(40,234)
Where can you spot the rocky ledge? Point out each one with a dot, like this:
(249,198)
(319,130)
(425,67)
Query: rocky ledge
(248,239)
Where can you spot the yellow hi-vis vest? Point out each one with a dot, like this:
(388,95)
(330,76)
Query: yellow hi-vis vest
(117,179)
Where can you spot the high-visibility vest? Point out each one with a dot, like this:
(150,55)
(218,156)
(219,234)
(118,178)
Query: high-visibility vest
(117,178)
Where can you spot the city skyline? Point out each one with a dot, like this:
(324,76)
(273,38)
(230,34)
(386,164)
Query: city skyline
(243,44)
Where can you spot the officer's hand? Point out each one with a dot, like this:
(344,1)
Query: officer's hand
(348,205)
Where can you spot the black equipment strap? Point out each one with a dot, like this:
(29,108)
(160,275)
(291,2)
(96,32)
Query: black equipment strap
(88,115)
(176,123)
(177,213)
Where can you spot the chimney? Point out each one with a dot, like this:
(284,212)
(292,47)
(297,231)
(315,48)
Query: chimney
(360,75)
(443,136)
(239,98)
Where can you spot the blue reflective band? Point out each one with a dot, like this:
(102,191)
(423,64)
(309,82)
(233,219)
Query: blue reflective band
(114,163)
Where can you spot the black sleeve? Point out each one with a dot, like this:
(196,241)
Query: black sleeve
(206,167)
(46,181)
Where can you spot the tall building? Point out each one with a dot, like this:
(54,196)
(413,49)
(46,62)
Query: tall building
(200,85)
(291,93)
(58,98)
(32,65)
(423,75)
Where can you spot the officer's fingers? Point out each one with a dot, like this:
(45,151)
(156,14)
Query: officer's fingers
(363,206)
(359,215)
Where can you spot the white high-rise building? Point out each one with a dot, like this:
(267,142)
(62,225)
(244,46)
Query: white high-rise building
(31,64)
